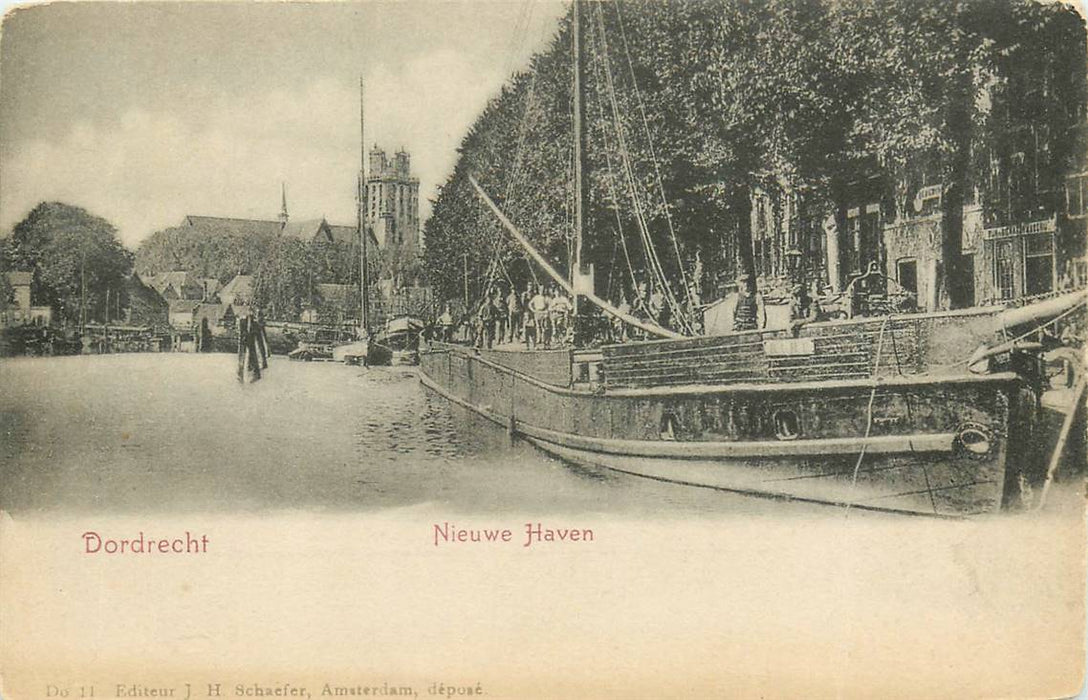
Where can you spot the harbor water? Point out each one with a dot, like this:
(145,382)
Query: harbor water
(178,433)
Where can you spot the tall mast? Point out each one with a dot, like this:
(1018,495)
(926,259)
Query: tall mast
(364,293)
(579,143)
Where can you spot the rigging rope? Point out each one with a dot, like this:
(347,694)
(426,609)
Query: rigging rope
(492,269)
(653,157)
(611,172)
(651,252)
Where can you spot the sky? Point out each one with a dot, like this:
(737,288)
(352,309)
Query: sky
(145,112)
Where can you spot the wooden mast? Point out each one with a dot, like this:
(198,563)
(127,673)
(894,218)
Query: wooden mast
(578,275)
(364,293)
(579,145)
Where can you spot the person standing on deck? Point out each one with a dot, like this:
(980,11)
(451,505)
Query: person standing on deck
(538,305)
(559,309)
(485,326)
(749,313)
(513,314)
(619,327)
(528,327)
(498,316)
(659,309)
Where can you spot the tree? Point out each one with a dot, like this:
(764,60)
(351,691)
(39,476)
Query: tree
(284,279)
(7,292)
(79,265)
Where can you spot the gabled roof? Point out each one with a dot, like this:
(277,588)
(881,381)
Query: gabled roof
(239,310)
(17,278)
(185,284)
(306,230)
(348,234)
(223,225)
(241,285)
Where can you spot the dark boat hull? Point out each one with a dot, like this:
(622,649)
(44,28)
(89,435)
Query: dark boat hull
(918,444)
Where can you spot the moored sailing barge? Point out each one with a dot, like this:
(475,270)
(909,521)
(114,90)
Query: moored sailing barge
(878,413)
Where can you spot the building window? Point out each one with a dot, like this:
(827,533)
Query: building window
(1076,195)
(1004,269)
(907,275)
(1023,264)
(1038,264)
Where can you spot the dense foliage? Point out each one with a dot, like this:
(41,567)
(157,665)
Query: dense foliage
(206,254)
(285,270)
(716,97)
(77,261)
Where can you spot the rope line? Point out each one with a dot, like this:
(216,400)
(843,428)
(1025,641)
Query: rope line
(654,261)
(869,410)
(653,156)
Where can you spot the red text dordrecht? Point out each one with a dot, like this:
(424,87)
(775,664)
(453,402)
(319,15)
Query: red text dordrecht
(93,543)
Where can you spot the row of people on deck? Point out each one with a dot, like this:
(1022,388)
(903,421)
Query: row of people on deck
(537,317)
(541,317)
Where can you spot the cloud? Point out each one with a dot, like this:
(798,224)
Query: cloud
(148,169)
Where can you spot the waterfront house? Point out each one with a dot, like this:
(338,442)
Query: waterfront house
(178,284)
(182,312)
(239,291)
(212,314)
(20,309)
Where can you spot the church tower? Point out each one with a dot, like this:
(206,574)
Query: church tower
(392,194)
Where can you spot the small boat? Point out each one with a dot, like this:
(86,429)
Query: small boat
(355,353)
(320,348)
(398,342)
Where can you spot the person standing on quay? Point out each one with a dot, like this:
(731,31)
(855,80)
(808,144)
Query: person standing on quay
(445,324)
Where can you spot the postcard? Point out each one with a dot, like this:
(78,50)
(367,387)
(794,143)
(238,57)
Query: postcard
(618,349)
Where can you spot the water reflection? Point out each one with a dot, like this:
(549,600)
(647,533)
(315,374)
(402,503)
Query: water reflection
(135,433)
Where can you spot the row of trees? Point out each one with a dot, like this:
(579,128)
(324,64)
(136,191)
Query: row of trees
(79,266)
(714,97)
